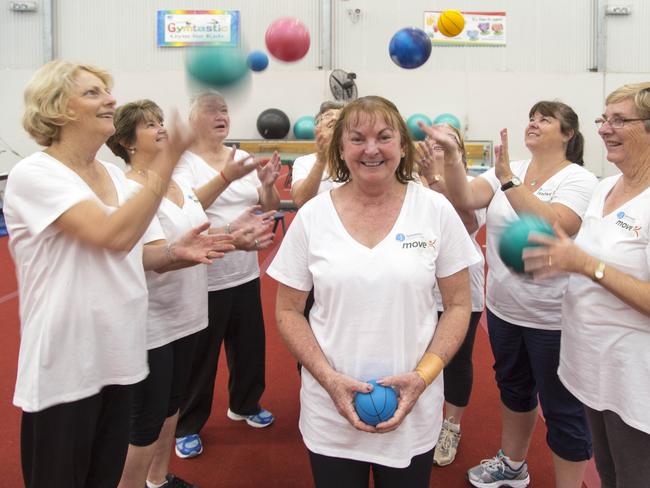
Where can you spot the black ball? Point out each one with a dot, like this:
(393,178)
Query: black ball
(273,124)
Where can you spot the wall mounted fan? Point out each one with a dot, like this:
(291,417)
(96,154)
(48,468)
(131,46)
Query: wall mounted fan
(342,85)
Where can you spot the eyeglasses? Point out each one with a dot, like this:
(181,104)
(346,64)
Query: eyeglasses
(614,122)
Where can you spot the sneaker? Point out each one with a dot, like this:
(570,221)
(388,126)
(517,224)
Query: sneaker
(189,446)
(496,472)
(175,482)
(261,419)
(447,444)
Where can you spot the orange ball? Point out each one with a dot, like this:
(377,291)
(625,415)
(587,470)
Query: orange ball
(451,23)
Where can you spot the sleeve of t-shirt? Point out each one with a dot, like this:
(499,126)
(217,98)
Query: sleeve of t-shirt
(456,249)
(290,265)
(491,177)
(154,232)
(184,172)
(481,217)
(300,169)
(39,192)
(575,191)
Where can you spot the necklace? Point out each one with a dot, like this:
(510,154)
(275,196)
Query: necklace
(534,182)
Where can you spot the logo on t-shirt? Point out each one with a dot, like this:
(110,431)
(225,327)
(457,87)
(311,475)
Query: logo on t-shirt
(415,241)
(626,222)
(192,196)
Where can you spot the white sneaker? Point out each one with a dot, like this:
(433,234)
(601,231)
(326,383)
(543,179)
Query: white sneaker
(447,444)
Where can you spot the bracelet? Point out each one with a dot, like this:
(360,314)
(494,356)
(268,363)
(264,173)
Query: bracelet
(224,177)
(429,367)
(152,181)
(169,252)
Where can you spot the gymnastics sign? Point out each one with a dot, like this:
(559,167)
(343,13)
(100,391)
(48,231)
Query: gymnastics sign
(481,29)
(198,28)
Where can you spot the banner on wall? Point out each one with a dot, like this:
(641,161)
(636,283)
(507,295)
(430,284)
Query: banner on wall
(481,29)
(198,28)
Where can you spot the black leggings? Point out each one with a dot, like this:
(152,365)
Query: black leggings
(459,374)
(347,473)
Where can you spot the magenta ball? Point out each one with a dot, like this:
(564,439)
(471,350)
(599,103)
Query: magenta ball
(287,39)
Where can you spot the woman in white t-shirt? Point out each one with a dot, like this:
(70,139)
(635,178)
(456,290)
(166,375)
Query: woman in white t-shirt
(234,303)
(458,374)
(76,238)
(308,173)
(524,316)
(605,358)
(373,249)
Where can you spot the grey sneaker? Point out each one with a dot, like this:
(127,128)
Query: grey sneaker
(496,472)
(447,445)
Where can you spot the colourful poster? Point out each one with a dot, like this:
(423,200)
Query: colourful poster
(198,28)
(481,29)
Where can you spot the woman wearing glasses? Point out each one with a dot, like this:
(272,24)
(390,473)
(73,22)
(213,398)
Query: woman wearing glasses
(524,316)
(604,359)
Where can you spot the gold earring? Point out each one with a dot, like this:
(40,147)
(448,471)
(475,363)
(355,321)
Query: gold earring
(131,150)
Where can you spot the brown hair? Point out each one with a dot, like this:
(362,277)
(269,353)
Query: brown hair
(372,106)
(568,123)
(47,95)
(126,119)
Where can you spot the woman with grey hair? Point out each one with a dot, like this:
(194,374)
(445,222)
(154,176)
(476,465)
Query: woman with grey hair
(234,302)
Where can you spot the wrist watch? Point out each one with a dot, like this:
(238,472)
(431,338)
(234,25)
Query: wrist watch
(436,178)
(599,272)
(514,181)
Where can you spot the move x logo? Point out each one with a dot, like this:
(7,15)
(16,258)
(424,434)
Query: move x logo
(626,222)
(415,241)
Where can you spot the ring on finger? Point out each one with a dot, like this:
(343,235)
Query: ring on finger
(257,244)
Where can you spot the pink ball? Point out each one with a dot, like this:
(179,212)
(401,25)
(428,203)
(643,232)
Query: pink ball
(287,39)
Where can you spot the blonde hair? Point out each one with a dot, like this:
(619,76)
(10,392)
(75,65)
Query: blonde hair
(639,93)
(47,96)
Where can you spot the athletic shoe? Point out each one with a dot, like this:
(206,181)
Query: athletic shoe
(447,445)
(496,472)
(261,419)
(189,446)
(175,482)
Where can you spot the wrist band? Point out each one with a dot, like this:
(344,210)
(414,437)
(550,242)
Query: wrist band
(429,367)
(170,253)
(224,178)
(228,229)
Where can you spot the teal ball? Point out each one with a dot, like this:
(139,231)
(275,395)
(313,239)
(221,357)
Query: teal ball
(377,406)
(217,66)
(305,128)
(449,119)
(514,239)
(412,124)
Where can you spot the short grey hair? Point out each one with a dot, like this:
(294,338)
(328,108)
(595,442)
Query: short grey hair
(196,100)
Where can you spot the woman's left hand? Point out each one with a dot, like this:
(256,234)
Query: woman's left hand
(409,387)
(196,247)
(502,165)
(555,255)
(269,172)
(430,160)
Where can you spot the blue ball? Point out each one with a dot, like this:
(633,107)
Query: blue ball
(410,48)
(448,119)
(305,128)
(257,61)
(412,124)
(514,239)
(377,406)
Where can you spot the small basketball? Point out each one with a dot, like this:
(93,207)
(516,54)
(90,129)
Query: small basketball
(377,406)
(287,39)
(257,61)
(451,23)
(514,239)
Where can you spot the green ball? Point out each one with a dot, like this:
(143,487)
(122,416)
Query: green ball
(217,66)
(305,128)
(412,124)
(514,239)
(449,119)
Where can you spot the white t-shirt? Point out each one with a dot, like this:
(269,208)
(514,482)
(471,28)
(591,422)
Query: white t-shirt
(301,169)
(236,267)
(605,353)
(374,314)
(518,298)
(476,271)
(83,309)
(178,300)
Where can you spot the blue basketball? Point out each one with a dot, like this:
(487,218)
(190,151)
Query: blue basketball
(410,48)
(514,239)
(257,61)
(449,119)
(377,406)
(305,128)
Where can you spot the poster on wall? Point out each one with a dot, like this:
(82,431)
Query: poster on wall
(198,28)
(481,29)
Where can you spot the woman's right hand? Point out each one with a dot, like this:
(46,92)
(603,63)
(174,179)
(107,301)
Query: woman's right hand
(234,170)
(252,229)
(341,389)
(445,140)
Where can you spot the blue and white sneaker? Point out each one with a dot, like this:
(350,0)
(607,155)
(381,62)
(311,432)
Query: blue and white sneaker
(496,472)
(261,419)
(189,446)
